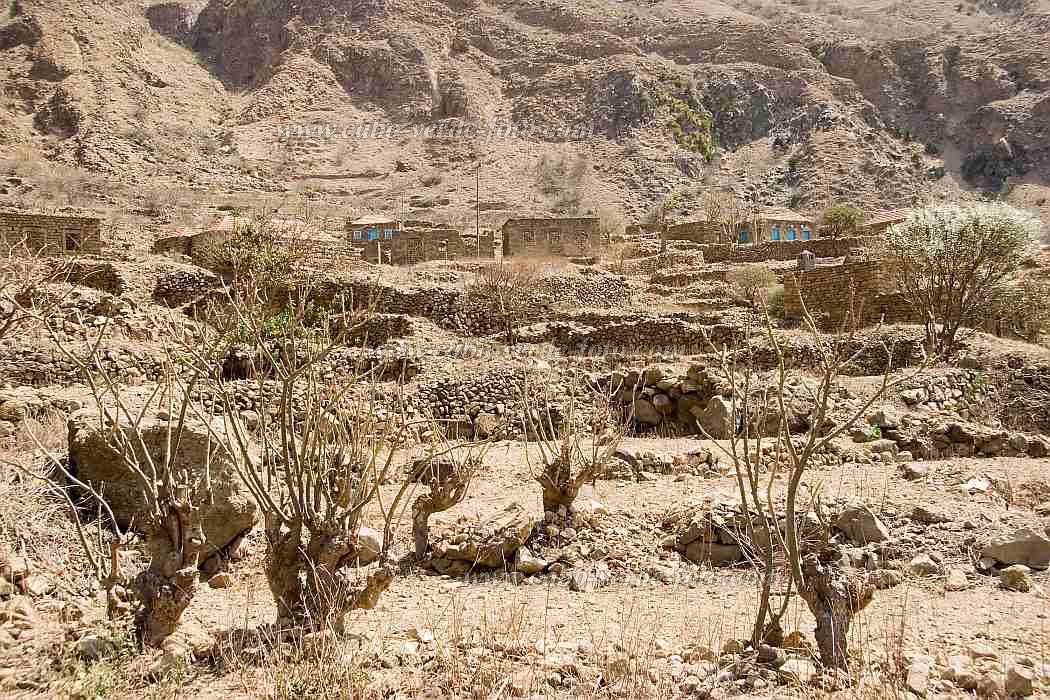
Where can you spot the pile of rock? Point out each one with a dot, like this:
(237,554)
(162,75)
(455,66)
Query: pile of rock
(468,543)
(710,533)
(976,669)
(945,440)
(965,392)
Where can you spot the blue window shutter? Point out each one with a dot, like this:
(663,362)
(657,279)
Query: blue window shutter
(776,233)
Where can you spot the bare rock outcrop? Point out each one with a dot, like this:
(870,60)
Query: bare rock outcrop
(227,510)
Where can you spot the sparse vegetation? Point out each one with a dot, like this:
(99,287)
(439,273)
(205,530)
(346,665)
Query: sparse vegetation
(561,181)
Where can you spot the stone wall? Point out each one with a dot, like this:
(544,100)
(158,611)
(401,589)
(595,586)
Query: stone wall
(864,290)
(696,231)
(51,235)
(785,250)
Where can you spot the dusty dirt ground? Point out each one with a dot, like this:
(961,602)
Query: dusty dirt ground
(700,608)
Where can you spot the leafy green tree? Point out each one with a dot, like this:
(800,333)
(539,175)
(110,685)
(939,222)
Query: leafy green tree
(841,220)
(953,261)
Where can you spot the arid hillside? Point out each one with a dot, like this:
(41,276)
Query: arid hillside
(383,104)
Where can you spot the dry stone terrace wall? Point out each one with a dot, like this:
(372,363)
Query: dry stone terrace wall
(785,250)
(465,312)
(51,235)
(378,329)
(183,286)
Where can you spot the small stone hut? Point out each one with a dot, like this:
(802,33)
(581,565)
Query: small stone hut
(50,234)
(568,236)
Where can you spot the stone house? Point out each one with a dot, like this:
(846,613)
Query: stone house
(771,224)
(414,245)
(373,227)
(567,236)
(47,234)
(878,222)
(310,243)
(776,224)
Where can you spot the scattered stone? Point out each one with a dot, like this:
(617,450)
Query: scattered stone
(913,471)
(918,680)
(1020,681)
(982,650)
(861,525)
(796,670)
(885,578)
(956,581)
(923,565)
(1016,578)
(992,685)
(929,515)
(528,563)
(369,545)
(701,552)
(92,647)
(37,585)
(886,417)
(717,418)
(1023,546)
(223,579)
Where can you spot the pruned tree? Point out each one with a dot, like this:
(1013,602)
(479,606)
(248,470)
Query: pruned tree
(952,262)
(446,471)
(727,213)
(833,595)
(325,449)
(170,518)
(1023,310)
(24,278)
(507,287)
(568,459)
(840,221)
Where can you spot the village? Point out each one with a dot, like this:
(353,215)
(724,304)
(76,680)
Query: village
(584,419)
(817,261)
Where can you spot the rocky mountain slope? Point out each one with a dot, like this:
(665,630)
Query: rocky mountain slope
(808,101)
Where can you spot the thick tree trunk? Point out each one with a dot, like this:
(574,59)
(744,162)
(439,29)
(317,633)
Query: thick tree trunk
(559,488)
(422,509)
(311,584)
(167,587)
(834,599)
(283,568)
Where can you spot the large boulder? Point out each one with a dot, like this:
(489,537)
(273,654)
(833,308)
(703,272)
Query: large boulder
(861,525)
(226,507)
(1023,546)
(645,412)
(717,418)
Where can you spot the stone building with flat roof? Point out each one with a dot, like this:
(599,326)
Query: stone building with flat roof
(569,237)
